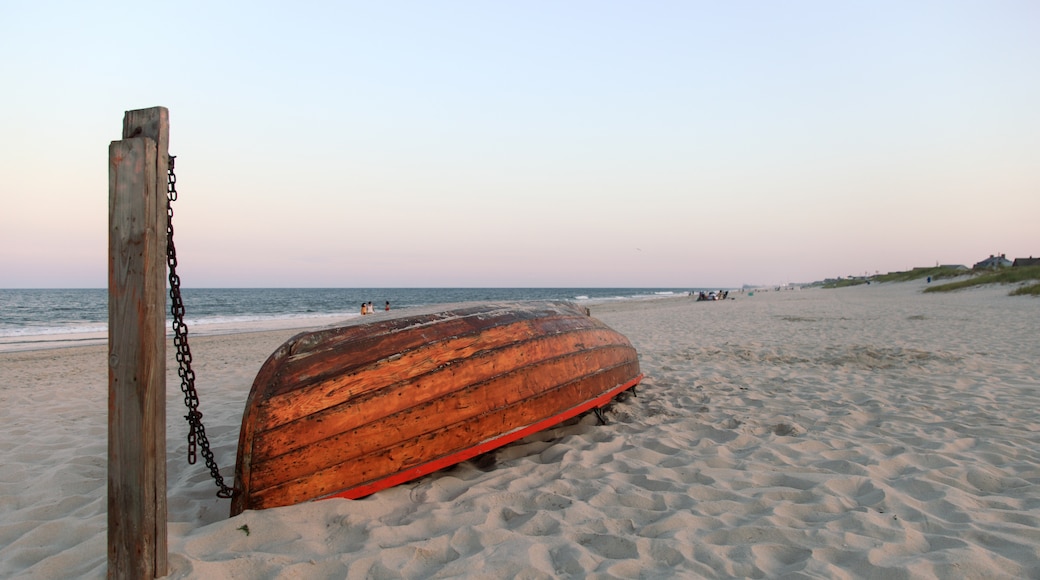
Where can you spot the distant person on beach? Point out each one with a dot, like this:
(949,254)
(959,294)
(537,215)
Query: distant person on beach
(364,308)
(387,306)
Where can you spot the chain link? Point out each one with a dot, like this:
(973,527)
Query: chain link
(196,431)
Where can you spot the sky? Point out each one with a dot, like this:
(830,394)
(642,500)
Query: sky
(531,144)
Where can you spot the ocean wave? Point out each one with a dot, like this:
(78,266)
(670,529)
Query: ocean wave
(240,318)
(77,312)
(24,331)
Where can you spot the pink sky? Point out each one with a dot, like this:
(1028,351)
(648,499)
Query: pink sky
(591,144)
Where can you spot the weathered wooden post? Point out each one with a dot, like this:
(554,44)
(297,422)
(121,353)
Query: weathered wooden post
(137,174)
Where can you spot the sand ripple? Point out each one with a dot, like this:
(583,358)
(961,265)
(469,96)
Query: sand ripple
(867,432)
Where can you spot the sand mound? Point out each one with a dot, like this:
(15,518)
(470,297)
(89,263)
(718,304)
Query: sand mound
(864,432)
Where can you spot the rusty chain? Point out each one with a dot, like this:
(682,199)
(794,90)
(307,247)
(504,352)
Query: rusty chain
(196,431)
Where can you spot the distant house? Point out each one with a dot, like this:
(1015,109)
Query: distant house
(1030,261)
(992,263)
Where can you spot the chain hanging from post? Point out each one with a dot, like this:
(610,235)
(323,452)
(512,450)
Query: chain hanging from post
(196,431)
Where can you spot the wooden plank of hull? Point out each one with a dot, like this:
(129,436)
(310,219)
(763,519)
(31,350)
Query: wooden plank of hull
(355,409)
(364,367)
(466,403)
(399,394)
(310,356)
(420,456)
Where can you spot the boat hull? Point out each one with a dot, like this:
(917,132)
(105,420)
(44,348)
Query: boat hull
(348,411)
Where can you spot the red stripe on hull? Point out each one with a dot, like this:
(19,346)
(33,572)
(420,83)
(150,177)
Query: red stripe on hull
(490,445)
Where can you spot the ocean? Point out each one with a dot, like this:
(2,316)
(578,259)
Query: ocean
(38,313)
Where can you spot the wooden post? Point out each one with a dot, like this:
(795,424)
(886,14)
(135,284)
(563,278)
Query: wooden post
(137,167)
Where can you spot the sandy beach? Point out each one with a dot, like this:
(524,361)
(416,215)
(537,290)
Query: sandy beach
(866,432)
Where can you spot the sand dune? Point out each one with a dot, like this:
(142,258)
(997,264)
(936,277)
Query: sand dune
(865,432)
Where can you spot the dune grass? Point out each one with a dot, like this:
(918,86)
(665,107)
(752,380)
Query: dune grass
(1026,279)
(937,273)
(1030,290)
(1021,276)
(844,283)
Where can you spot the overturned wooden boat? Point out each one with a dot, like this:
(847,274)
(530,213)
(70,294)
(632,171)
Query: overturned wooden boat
(348,411)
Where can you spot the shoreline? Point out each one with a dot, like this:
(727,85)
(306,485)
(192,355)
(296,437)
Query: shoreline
(30,342)
(70,340)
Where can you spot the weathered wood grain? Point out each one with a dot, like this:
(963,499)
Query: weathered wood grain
(350,410)
(137,541)
(402,393)
(427,448)
(399,358)
(521,386)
